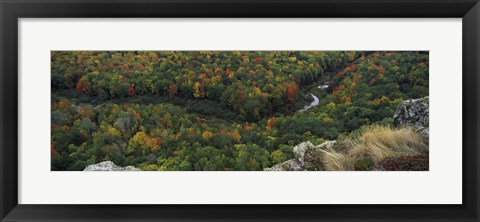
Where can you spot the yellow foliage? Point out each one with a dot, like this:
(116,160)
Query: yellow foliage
(235,135)
(207,134)
(113,131)
(327,119)
(331,105)
(142,140)
(196,87)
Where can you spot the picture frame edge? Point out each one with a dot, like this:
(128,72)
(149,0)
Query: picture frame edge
(10,210)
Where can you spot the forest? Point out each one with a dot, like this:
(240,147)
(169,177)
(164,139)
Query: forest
(219,110)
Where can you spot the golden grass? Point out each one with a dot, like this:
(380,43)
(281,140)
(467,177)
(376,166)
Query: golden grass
(375,143)
(337,161)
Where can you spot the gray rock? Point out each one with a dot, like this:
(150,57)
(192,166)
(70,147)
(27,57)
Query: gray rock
(109,166)
(306,157)
(131,168)
(300,150)
(328,145)
(289,165)
(414,113)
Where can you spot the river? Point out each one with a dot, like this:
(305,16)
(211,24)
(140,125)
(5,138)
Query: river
(316,101)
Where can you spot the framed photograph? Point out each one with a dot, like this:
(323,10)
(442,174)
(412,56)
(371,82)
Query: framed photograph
(275,110)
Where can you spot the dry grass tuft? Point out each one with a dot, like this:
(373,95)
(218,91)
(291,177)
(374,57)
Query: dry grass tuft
(337,161)
(375,144)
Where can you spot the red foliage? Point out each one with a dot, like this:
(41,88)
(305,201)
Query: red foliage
(172,90)
(351,68)
(292,92)
(247,128)
(83,85)
(131,90)
(138,66)
(258,60)
(79,86)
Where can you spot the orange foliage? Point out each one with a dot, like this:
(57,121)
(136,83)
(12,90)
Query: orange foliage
(338,89)
(351,68)
(137,115)
(79,86)
(348,99)
(247,127)
(63,104)
(292,92)
(86,112)
(271,122)
(381,69)
(357,77)
(258,60)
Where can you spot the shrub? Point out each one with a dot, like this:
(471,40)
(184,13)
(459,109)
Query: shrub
(363,165)
(405,163)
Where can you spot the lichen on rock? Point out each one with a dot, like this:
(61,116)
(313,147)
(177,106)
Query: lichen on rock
(109,166)
(414,113)
(306,157)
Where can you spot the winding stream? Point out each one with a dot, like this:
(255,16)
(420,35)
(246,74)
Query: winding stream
(316,101)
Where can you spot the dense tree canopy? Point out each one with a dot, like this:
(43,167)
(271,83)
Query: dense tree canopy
(218,110)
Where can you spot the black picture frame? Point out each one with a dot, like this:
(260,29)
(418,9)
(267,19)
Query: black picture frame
(11,11)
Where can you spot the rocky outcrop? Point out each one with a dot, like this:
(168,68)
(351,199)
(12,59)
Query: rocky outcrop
(109,166)
(289,165)
(414,113)
(306,157)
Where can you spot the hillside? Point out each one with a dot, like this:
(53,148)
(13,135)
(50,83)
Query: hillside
(228,110)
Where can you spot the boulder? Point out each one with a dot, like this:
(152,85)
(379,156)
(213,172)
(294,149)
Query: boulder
(306,157)
(109,166)
(414,113)
(300,150)
(289,165)
(328,145)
